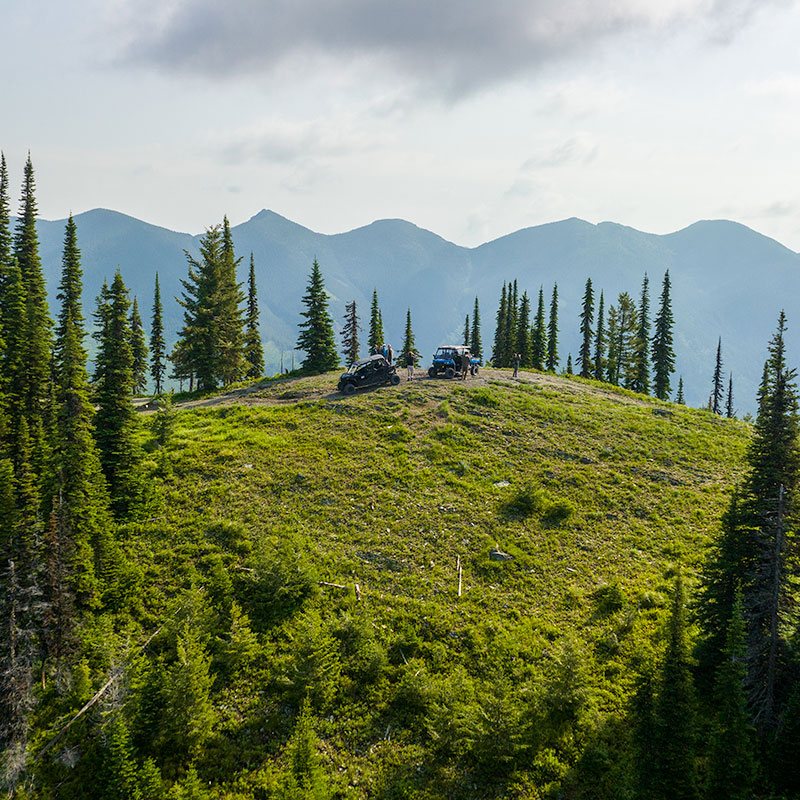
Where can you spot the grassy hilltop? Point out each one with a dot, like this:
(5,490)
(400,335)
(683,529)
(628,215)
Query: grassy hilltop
(517,688)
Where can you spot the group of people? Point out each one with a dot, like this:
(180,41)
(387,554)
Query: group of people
(410,358)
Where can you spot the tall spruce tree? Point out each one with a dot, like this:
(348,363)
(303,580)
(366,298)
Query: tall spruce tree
(253,351)
(158,366)
(539,335)
(640,373)
(139,350)
(375,338)
(499,351)
(510,330)
(465,335)
(587,318)
(115,420)
(675,712)
(600,343)
(662,353)
(731,771)
(228,317)
(523,342)
(475,343)
(35,327)
(409,341)
(81,512)
(6,240)
(552,332)
(751,549)
(717,388)
(729,410)
(316,332)
(679,397)
(350,344)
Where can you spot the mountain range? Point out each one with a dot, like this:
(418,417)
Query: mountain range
(728,281)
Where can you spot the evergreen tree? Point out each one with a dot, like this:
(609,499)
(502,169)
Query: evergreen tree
(499,352)
(600,344)
(115,421)
(523,343)
(539,335)
(475,343)
(465,336)
(612,340)
(640,378)
(662,352)
(717,391)
(375,340)
(228,319)
(350,343)
(120,780)
(304,777)
(253,351)
(510,330)
(158,346)
(569,364)
(731,763)
(34,326)
(316,333)
(409,342)
(751,550)
(674,750)
(6,241)
(622,370)
(729,410)
(645,737)
(587,317)
(552,333)
(679,397)
(139,350)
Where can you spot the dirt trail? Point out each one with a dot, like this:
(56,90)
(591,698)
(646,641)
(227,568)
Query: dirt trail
(288,391)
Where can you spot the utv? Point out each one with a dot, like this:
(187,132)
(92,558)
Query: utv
(372,371)
(452,361)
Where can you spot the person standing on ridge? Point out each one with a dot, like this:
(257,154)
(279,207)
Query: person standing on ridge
(389,354)
(411,359)
(516,364)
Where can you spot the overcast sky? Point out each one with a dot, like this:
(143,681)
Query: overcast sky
(467,117)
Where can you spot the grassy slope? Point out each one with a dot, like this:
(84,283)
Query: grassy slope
(386,489)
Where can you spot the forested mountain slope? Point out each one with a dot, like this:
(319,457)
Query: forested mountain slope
(299,551)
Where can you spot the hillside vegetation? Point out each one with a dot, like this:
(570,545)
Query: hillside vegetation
(387,683)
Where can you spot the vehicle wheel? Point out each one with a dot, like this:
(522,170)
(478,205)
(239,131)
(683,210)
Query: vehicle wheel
(349,388)
(432,372)
(474,370)
(449,373)
(395,379)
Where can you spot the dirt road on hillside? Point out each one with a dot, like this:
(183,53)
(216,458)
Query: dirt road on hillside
(288,391)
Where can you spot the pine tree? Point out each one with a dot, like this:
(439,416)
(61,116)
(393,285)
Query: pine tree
(229,323)
(731,762)
(662,352)
(139,350)
(316,333)
(539,335)
(499,351)
(623,371)
(409,342)
(674,751)
(304,776)
(569,364)
(35,327)
(717,391)
(6,240)
(523,342)
(350,343)
(600,344)
(640,378)
(253,351)
(375,340)
(510,330)
(475,343)
(120,780)
(679,397)
(115,421)
(465,336)
(587,317)
(729,410)
(552,333)
(158,346)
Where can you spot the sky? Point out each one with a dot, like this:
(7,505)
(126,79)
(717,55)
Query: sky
(469,118)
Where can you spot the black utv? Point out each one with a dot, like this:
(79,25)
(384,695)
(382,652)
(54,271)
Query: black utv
(372,371)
